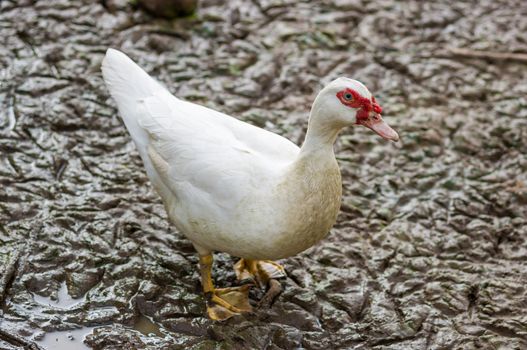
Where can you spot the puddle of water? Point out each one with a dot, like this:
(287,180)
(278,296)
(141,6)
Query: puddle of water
(64,300)
(74,339)
(144,325)
(65,340)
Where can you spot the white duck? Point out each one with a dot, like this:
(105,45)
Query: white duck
(232,187)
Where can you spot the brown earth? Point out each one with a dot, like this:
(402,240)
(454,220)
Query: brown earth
(430,249)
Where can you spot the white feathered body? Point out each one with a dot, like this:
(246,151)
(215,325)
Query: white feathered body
(227,185)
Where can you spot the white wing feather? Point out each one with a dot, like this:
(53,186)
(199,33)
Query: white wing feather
(211,158)
(210,152)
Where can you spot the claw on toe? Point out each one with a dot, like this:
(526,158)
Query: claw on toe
(259,271)
(227,302)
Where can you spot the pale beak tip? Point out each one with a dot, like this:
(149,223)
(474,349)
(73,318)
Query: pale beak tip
(382,129)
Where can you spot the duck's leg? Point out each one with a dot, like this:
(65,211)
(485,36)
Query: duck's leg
(222,303)
(260,271)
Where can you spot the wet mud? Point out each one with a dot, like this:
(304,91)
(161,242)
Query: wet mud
(430,248)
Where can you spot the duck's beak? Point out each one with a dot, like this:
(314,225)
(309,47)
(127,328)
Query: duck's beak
(377,124)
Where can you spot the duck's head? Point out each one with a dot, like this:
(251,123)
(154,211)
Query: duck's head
(346,102)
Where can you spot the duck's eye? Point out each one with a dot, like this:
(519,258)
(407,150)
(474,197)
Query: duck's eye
(348,96)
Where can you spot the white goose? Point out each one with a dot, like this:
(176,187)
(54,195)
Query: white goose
(232,187)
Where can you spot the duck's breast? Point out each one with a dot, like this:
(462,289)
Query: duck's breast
(311,202)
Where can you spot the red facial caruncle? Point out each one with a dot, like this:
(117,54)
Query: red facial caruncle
(353,99)
(364,116)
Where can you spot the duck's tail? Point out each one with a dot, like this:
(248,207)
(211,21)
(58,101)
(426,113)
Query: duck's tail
(129,84)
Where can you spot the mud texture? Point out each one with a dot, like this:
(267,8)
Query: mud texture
(430,249)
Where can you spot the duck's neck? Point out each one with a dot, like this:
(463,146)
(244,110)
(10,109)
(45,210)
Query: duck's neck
(320,135)
(318,140)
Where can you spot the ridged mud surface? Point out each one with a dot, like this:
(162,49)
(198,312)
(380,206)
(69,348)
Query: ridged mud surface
(430,248)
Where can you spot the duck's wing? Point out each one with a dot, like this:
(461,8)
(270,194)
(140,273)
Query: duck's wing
(190,151)
(201,152)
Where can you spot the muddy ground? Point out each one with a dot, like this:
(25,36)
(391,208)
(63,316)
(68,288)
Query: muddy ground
(430,249)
